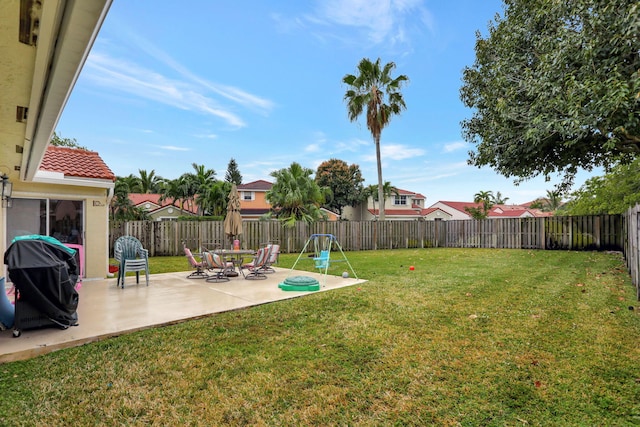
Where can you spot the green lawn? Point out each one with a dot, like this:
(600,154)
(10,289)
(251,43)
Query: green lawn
(469,338)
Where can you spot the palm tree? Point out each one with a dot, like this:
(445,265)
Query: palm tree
(498,199)
(121,208)
(554,200)
(484,197)
(213,198)
(374,89)
(149,181)
(195,185)
(295,196)
(387,191)
(131,183)
(176,190)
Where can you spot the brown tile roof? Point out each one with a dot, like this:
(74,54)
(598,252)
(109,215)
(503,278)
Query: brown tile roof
(76,162)
(410,193)
(260,185)
(138,198)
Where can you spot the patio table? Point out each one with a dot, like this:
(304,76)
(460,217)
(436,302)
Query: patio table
(234,256)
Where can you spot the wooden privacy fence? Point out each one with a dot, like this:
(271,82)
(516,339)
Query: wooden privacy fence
(593,232)
(632,245)
(575,233)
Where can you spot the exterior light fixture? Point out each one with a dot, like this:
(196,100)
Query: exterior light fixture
(7,188)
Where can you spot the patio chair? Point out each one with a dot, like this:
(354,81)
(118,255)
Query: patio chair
(216,265)
(131,256)
(256,265)
(273,258)
(198,266)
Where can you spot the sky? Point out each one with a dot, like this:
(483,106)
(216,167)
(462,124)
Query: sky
(168,84)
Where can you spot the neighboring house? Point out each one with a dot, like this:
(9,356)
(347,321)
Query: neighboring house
(254,204)
(253,200)
(540,201)
(456,210)
(159,210)
(331,216)
(436,214)
(55,191)
(406,205)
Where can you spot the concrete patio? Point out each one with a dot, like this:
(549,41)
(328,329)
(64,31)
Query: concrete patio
(106,311)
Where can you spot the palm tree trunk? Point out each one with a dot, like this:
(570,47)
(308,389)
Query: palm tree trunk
(381,201)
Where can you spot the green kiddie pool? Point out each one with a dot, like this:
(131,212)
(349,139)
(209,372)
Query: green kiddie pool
(300,283)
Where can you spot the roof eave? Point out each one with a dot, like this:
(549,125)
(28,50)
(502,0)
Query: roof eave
(67,32)
(49,177)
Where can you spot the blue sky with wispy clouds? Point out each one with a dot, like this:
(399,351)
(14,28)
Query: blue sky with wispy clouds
(169,83)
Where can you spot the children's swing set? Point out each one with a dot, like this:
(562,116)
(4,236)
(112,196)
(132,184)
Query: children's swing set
(323,245)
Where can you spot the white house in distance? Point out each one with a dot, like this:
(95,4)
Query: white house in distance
(159,210)
(406,205)
(456,210)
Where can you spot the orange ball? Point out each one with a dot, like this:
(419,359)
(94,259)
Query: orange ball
(412,268)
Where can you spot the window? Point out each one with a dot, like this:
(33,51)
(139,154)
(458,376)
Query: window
(62,219)
(400,200)
(248,195)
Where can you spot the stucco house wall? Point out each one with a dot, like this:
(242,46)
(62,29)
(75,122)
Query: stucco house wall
(37,77)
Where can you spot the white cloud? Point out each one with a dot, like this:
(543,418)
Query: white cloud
(454,146)
(188,92)
(133,79)
(232,93)
(395,152)
(174,148)
(352,145)
(312,148)
(206,136)
(382,21)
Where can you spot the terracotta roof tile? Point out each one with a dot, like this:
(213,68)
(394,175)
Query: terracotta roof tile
(459,206)
(256,185)
(139,199)
(76,162)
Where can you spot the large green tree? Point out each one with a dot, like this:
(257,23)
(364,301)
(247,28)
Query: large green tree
(295,196)
(233,174)
(374,89)
(344,181)
(555,87)
(613,193)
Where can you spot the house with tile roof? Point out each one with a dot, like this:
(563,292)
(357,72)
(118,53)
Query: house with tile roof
(406,205)
(253,200)
(158,209)
(254,204)
(457,210)
(56,191)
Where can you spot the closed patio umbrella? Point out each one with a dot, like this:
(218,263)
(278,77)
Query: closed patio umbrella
(233,220)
